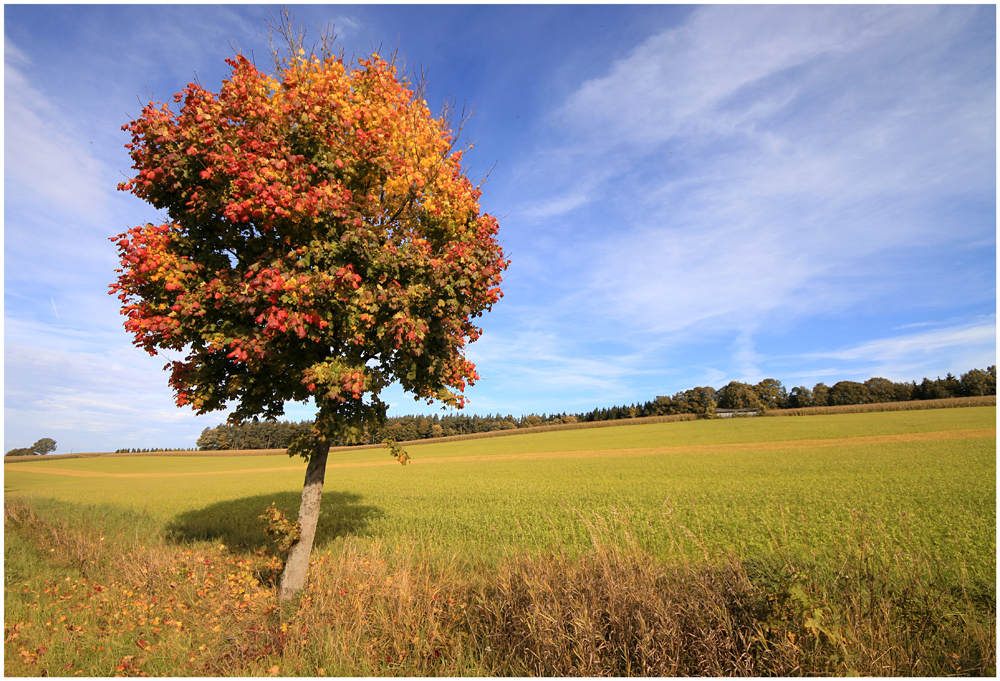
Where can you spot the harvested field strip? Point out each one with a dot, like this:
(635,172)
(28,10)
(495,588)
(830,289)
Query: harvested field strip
(98,474)
(783,445)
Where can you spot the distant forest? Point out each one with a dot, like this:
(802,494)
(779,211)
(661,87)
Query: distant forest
(768,394)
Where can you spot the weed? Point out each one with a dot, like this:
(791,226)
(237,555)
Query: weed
(283,531)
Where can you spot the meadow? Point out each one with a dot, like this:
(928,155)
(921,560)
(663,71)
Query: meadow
(850,543)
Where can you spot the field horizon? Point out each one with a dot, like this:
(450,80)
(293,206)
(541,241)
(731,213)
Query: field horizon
(910,405)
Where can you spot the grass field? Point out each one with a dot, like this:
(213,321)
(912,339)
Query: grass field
(902,503)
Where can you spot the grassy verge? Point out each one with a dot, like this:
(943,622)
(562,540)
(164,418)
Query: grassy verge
(94,595)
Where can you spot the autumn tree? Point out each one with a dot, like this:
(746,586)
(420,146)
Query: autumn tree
(701,400)
(321,242)
(695,401)
(821,395)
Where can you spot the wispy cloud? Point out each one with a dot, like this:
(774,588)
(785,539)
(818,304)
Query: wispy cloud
(557,206)
(529,366)
(956,348)
(761,162)
(43,154)
(92,394)
(902,348)
(679,82)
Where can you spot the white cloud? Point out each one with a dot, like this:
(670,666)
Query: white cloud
(43,151)
(88,396)
(12,54)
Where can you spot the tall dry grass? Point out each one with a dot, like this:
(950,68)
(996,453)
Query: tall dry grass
(614,611)
(874,605)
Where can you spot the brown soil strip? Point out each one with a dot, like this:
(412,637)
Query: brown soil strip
(99,474)
(783,445)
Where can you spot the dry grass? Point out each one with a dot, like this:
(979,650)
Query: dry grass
(135,605)
(616,611)
(880,609)
(92,455)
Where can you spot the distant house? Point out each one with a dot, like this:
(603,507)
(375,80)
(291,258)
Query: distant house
(731,413)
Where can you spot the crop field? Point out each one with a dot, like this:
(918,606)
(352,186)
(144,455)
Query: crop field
(826,523)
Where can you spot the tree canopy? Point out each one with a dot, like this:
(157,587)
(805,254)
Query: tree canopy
(45,445)
(322,242)
(736,395)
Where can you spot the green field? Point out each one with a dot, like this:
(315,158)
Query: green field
(808,490)
(943,485)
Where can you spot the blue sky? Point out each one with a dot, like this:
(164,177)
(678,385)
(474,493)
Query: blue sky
(689,195)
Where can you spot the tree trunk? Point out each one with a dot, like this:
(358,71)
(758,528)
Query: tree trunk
(293,578)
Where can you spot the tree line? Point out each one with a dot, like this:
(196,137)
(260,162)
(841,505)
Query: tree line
(254,434)
(771,394)
(768,394)
(258,434)
(44,446)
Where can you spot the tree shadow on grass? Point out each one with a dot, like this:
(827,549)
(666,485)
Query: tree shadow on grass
(236,523)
